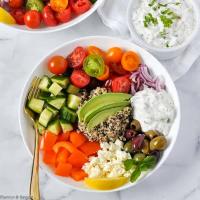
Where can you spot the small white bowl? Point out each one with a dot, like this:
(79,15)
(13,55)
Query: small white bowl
(161,53)
(46,29)
(102,42)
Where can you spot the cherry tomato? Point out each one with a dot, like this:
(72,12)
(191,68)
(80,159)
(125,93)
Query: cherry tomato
(105,76)
(32,19)
(95,50)
(121,84)
(15,3)
(76,58)
(114,55)
(57,65)
(58,5)
(118,69)
(49,17)
(79,78)
(130,61)
(80,6)
(18,14)
(64,16)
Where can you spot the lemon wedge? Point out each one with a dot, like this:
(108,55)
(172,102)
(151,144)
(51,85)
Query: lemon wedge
(105,183)
(5,17)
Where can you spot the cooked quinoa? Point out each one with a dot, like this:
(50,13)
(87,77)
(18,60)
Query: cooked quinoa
(111,129)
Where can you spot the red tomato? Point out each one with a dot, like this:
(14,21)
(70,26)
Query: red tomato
(80,6)
(15,3)
(79,78)
(118,69)
(121,84)
(18,14)
(32,19)
(64,16)
(48,16)
(76,58)
(57,65)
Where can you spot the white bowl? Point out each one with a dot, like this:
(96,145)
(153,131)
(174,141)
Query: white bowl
(161,53)
(46,29)
(103,42)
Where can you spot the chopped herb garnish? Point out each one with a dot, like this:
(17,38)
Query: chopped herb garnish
(167,22)
(163,34)
(148,19)
(152,3)
(167,44)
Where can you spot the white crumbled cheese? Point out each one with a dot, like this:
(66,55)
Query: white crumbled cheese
(164,23)
(154,110)
(109,161)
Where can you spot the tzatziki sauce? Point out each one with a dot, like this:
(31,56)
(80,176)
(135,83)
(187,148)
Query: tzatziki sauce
(154,110)
(164,23)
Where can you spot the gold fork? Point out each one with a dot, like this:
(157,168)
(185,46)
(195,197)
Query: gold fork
(34,190)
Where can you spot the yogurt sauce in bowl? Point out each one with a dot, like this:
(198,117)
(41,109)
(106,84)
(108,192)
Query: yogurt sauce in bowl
(164,23)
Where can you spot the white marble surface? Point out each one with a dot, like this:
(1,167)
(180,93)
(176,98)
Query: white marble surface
(177,179)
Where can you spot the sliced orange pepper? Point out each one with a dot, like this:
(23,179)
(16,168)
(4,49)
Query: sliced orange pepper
(90,148)
(49,140)
(62,156)
(78,174)
(77,139)
(49,157)
(67,145)
(77,159)
(63,137)
(63,169)
(106,74)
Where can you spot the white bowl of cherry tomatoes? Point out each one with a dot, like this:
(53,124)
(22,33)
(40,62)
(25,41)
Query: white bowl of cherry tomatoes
(41,16)
(88,63)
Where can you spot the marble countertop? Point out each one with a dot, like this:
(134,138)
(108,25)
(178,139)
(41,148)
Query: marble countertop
(177,179)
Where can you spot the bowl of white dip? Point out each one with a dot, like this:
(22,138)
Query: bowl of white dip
(163,27)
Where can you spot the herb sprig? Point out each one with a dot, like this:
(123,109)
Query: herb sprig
(138,167)
(148,19)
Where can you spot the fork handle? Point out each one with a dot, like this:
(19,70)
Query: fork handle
(34,184)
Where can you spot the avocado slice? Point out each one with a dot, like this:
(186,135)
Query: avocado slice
(101,100)
(102,116)
(90,114)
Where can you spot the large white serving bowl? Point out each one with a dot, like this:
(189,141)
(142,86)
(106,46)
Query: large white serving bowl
(162,53)
(103,42)
(46,29)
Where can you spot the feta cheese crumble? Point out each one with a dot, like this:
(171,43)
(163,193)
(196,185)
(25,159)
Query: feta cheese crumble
(109,161)
(164,23)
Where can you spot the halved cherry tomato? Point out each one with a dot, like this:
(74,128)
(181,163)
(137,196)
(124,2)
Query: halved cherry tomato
(114,55)
(32,19)
(79,78)
(95,50)
(105,76)
(18,14)
(118,69)
(49,16)
(57,65)
(65,15)
(80,6)
(58,5)
(130,61)
(15,3)
(76,58)
(121,84)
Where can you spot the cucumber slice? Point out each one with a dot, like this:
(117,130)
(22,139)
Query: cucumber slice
(63,81)
(36,105)
(44,95)
(52,109)
(66,127)
(41,129)
(45,83)
(68,115)
(56,102)
(55,89)
(45,117)
(73,101)
(54,127)
(72,89)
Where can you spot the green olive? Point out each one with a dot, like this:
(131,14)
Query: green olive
(145,149)
(135,125)
(128,146)
(158,143)
(151,134)
(138,157)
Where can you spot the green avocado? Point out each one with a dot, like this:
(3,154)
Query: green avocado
(89,115)
(35,5)
(100,101)
(102,116)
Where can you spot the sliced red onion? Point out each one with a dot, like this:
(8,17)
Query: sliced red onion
(145,73)
(133,90)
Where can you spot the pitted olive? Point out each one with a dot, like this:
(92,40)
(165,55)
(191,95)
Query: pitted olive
(151,134)
(158,143)
(135,125)
(138,157)
(145,149)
